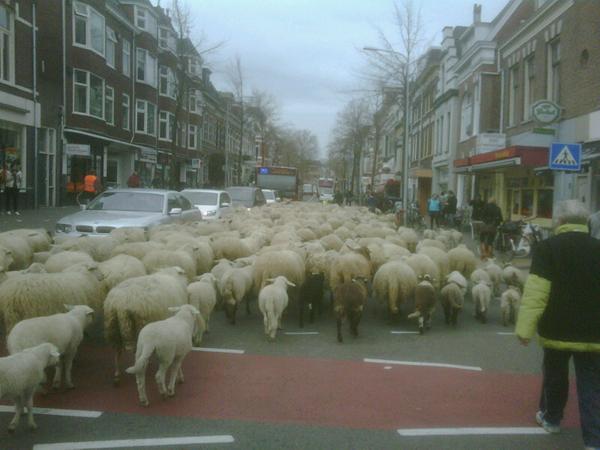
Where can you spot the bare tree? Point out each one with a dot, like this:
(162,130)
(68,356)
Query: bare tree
(236,79)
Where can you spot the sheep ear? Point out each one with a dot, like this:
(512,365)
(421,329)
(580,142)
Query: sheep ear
(289,283)
(69,307)
(55,353)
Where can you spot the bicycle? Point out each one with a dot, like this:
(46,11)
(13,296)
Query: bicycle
(517,238)
(414,219)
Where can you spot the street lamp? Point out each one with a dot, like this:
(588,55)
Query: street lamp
(406,122)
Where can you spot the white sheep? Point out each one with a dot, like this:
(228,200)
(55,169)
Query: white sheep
(135,302)
(482,297)
(457,278)
(58,262)
(39,239)
(463,260)
(129,234)
(480,275)
(440,258)
(424,265)
(21,251)
(220,268)
(20,376)
(160,259)
(229,248)
(6,258)
(495,273)
(394,283)
(513,276)
(287,263)
(272,301)
(171,340)
(137,249)
(120,268)
(509,304)
(235,286)
(452,299)
(64,330)
(99,248)
(202,294)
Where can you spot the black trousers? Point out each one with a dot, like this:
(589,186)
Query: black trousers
(11,195)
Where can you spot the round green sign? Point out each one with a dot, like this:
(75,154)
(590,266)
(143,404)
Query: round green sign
(545,111)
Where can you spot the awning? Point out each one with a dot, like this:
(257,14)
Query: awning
(510,156)
(421,173)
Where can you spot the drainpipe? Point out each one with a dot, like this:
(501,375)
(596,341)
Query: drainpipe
(35,118)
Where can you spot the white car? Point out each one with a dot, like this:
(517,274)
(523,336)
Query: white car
(270,196)
(213,204)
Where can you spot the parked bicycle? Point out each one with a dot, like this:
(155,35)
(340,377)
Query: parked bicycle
(516,239)
(414,219)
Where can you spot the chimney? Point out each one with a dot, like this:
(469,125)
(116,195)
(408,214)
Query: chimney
(206,75)
(476,13)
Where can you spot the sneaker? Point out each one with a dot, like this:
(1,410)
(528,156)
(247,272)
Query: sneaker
(550,428)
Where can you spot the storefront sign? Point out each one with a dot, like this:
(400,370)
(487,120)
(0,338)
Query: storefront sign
(545,112)
(148,155)
(78,149)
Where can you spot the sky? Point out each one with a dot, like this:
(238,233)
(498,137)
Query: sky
(307,53)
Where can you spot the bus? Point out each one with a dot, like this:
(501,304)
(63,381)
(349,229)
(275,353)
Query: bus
(279,178)
(326,189)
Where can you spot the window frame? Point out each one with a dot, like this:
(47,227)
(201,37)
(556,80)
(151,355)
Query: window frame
(146,112)
(7,33)
(109,99)
(192,133)
(169,123)
(528,86)
(89,17)
(111,37)
(88,96)
(150,22)
(126,57)
(171,91)
(125,106)
(553,71)
(147,58)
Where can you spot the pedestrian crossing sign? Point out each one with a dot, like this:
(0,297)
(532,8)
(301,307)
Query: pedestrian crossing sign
(565,156)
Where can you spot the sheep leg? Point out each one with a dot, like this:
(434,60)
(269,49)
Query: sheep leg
(140,380)
(421,324)
(180,378)
(117,375)
(30,421)
(176,367)
(68,368)
(339,330)
(57,373)
(160,376)
(17,417)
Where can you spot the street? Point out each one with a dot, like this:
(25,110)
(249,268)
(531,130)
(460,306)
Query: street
(388,388)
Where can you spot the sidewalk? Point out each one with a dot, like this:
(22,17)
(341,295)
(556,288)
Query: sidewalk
(32,218)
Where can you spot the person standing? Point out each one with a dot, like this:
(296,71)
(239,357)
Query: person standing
(492,217)
(451,209)
(433,209)
(594,225)
(12,184)
(561,301)
(91,185)
(134,180)
(477,205)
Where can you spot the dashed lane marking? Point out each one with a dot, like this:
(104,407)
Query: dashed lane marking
(505,333)
(300,333)
(412,432)
(218,350)
(404,332)
(128,443)
(426,364)
(57,412)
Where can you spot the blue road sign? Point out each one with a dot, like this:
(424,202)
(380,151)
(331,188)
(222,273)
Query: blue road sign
(565,156)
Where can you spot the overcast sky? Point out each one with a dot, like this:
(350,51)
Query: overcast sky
(305,52)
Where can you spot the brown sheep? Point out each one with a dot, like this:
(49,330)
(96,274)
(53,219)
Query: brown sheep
(349,299)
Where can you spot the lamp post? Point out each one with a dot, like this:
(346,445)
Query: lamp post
(406,81)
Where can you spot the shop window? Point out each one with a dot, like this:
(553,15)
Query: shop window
(6,45)
(516,202)
(527,202)
(544,203)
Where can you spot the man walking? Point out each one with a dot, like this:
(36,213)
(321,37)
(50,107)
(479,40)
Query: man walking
(561,301)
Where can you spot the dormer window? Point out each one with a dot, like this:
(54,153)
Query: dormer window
(166,40)
(88,28)
(144,20)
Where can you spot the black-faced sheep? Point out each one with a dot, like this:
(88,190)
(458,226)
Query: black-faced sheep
(349,300)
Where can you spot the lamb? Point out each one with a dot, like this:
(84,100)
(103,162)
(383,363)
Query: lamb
(235,286)
(136,249)
(482,296)
(202,294)
(424,302)
(171,340)
(513,276)
(58,262)
(394,283)
(272,301)
(463,260)
(64,330)
(135,302)
(495,273)
(42,294)
(349,300)
(332,242)
(120,268)
(22,254)
(452,299)
(509,304)
(21,374)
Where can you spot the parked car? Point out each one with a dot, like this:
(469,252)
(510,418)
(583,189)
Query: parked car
(118,208)
(247,196)
(212,203)
(270,196)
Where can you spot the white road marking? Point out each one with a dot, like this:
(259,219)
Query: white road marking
(427,364)
(505,333)
(151,442)
(387,367)
(57,412)
(469,431)
(299,333)
(218,350)
(404,332)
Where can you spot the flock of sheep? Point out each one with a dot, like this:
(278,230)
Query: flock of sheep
(156,289)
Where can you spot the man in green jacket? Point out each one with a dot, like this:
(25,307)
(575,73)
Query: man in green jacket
(561,302)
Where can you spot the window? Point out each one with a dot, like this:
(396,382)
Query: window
(166,40)
(512,95)
(167,82)
(466,117)
(192,131)
(528,87)
(166,121)
(195,101)
(125,111)
(194,66)
(88,28)
(146,67)
(88,94)
(144,20)
(109,105)
(553,71)
(126,58)
(6,47)
(111,44)
(145,117)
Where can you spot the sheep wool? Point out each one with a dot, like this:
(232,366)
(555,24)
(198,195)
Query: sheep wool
(272,301)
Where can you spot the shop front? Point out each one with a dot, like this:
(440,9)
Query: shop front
(146,166)
(120,163)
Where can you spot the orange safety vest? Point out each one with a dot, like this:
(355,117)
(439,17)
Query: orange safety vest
(89,183)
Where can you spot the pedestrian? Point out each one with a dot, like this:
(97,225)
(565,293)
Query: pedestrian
(450,209)
(134,180)
(349,197)
(156,182)
(477,205)
(12,183)
(371,201)
(594,225)
(561,302)
(492,217)
(434,210)
(91,185)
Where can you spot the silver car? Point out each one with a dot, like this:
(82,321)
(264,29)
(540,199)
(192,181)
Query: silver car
(128,208)
(212,203)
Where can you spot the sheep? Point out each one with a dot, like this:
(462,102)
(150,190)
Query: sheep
(120,268)
(349,300)
(509,304)
(495,273)
(220,268)
(171,340)
(480,275)
(64,330)
(272,264)
(424,302)
(482,296)
(332,242)
(424,265)
(395,283)
(160,259)
(513,276)
(129,234)
(409,236)
(272,301)
(229,248)
(135,302)
(99,248)
(39,239)
(202,294)
(452,299)
(463,260)
(431,243)
(6,258)
(58,262)
(457,278)
(440,258)
(235,286)
(356,264)
(22,254)
(21,374)
(136,249)
(41,257)
(42,294)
